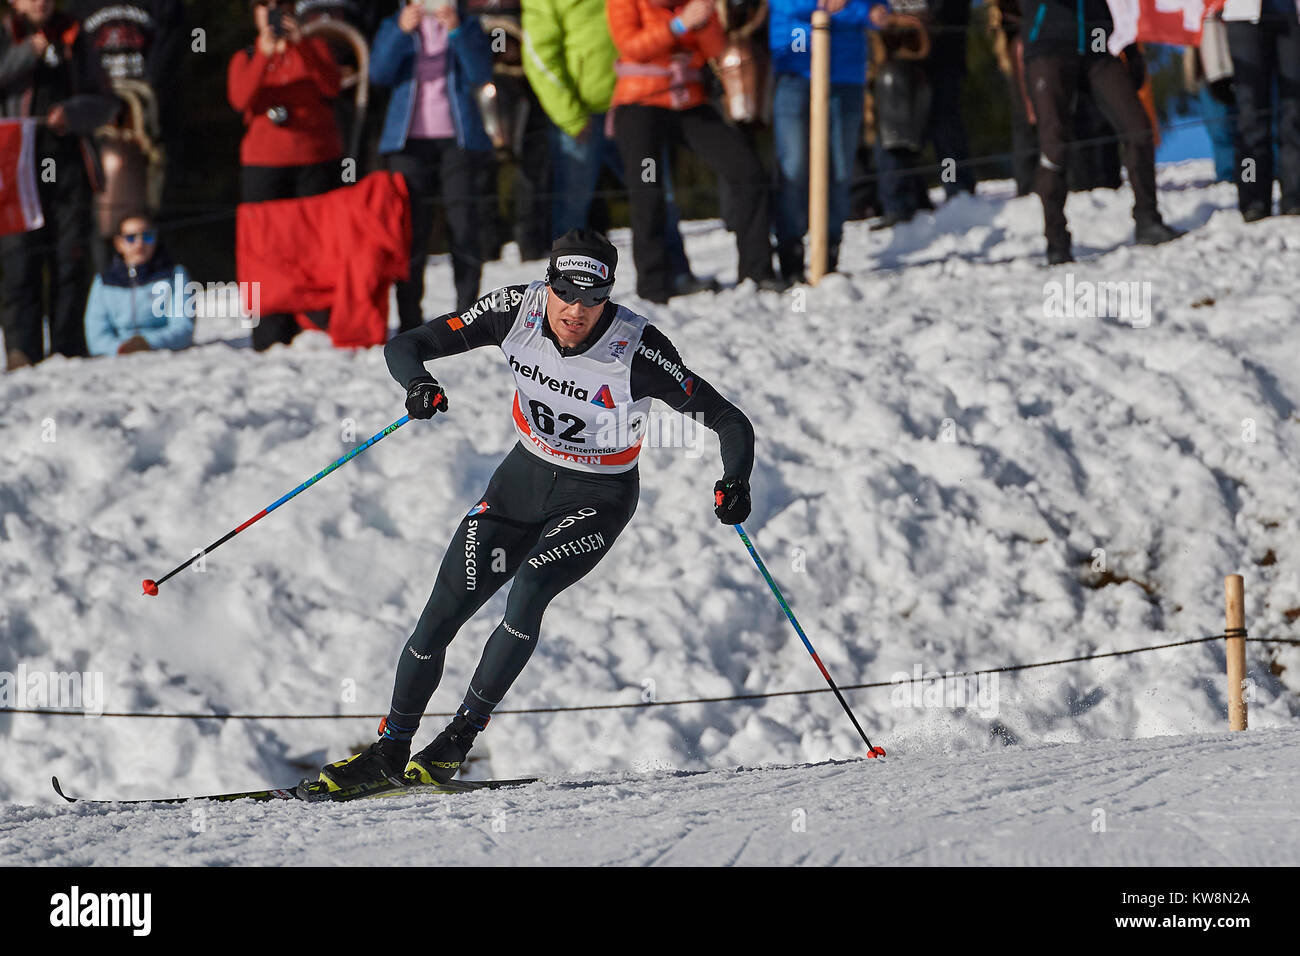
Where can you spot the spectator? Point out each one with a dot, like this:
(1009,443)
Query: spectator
(138,302)
(524,135)
(1059,55)
(360,131)
(138,45)
(569,60)
(43,62)
(141,40)
(902,109)
(1207,73)
(1264,39)
(659,100)
(789,21)
(1008,46)
(284,86)
(945,68)
(433,135)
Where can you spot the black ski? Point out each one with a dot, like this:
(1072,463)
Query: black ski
(313,792)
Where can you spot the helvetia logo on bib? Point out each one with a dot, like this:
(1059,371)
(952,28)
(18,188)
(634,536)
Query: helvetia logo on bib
(478,509)
(604,397)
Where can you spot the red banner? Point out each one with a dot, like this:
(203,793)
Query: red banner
(20,203)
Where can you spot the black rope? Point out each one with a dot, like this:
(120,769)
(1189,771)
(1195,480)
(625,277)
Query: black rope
(1230,632)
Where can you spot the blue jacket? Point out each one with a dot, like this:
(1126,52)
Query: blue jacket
(123,305)
(392,63)
(789,32)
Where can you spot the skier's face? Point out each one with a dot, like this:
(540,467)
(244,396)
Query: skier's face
(570,323)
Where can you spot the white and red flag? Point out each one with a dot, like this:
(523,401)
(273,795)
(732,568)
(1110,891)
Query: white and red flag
(1177,22)
(20,203)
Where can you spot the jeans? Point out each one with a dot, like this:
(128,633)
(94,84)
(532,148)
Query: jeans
(790,143)
(1219,118)
(901,193)
(577,168)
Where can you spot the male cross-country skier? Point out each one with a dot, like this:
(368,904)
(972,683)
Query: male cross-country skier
(557,502)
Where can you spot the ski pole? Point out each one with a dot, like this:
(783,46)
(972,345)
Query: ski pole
(151,586)
(871,751)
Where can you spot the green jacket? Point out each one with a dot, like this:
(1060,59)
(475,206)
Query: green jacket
(569,59)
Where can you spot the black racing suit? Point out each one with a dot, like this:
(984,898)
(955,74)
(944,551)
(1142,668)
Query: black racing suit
(539,522)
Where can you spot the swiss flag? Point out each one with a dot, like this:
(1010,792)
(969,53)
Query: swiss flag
(20,203)
(1176,22)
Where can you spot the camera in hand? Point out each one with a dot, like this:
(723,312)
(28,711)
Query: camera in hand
(275,20)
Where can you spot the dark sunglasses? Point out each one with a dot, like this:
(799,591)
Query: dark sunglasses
(571,292)
(149,235)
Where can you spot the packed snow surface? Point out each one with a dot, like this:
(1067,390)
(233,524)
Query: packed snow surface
(1204,800)
(952,473)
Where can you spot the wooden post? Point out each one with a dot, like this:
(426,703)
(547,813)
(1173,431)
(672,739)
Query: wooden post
(819,115)
(1236,649)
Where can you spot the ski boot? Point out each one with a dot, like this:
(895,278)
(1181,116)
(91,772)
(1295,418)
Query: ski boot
(381,762)
(442,759)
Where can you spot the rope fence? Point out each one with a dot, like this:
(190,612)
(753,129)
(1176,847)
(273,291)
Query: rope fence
(1238,633)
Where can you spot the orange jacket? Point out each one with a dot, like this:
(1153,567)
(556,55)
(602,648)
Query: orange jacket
(640,31)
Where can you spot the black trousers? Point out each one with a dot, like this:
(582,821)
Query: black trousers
(52,262)
(1053,83)
(642,132)
(438,169)
(545,527)
(262,183)
(1264,53)
(945,127)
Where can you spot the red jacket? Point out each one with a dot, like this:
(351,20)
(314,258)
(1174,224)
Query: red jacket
(640,30)
(303,79)
(340,250)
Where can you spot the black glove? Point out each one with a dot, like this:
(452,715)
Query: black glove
(425,397)
(731,500)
